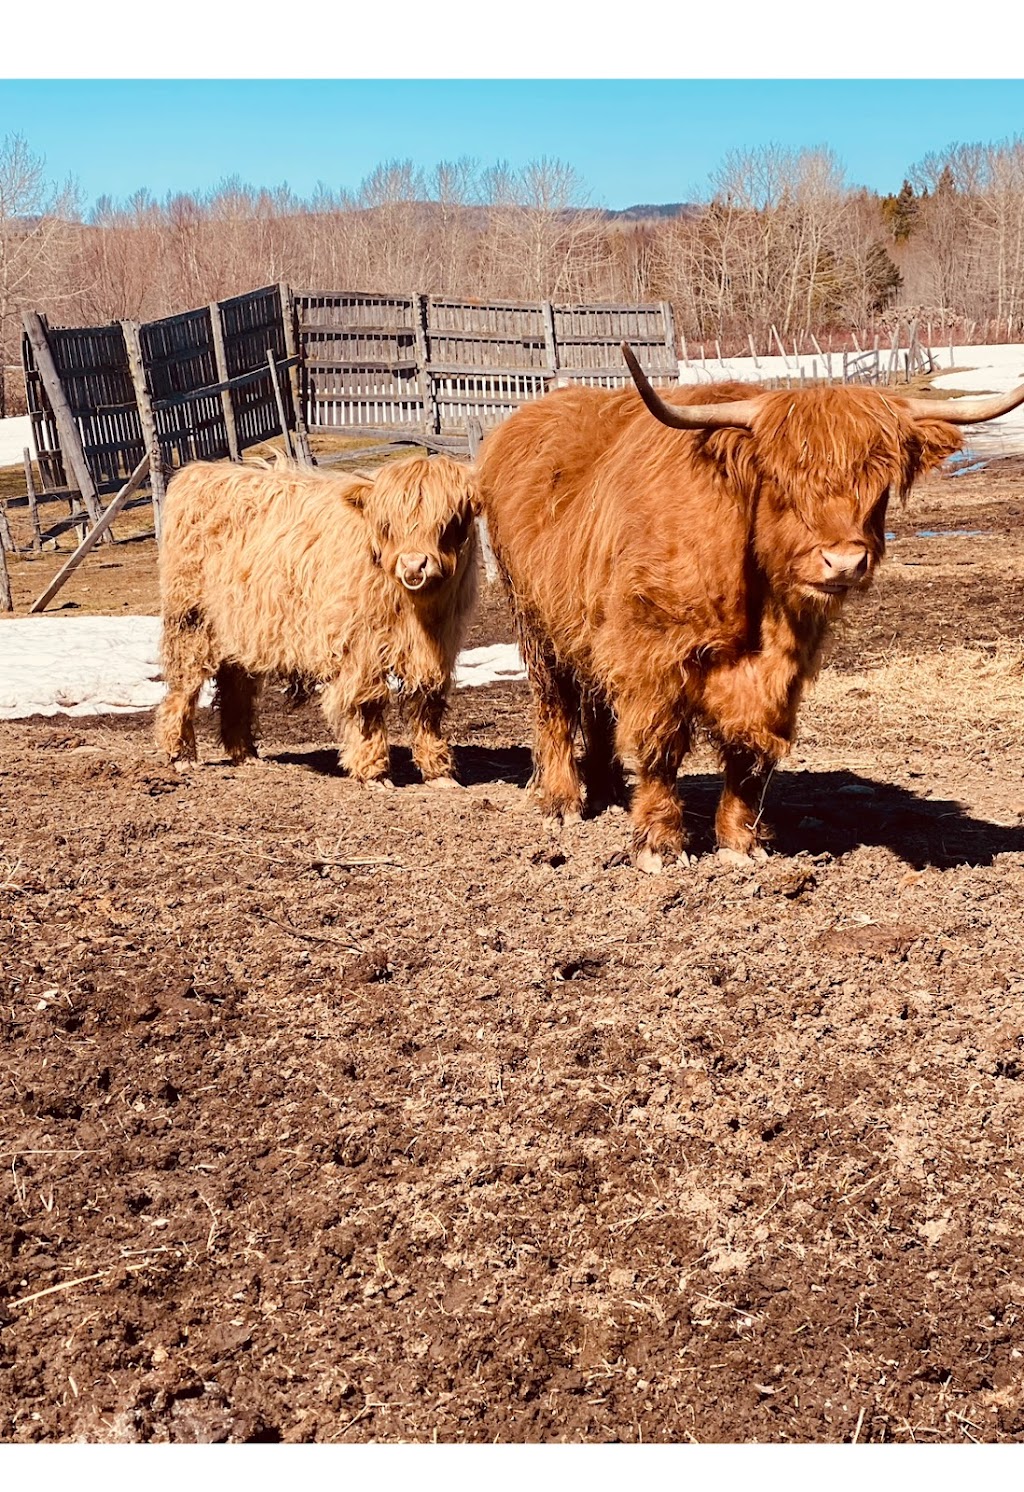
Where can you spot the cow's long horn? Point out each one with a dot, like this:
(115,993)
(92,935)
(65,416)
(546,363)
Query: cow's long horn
(689,416)
(966,411)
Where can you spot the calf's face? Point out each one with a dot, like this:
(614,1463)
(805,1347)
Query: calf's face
(420,517)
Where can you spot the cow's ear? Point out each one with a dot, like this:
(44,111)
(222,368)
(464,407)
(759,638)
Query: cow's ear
(933,441)
(356,492)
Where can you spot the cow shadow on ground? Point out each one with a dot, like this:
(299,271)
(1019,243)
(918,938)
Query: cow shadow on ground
(814,812)
(840,811)
(474,765)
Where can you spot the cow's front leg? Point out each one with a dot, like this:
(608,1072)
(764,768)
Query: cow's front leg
(361,730)
(739,824)
(659,745)
(430,749)
(556,712)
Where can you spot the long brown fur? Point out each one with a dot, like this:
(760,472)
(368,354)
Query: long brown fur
(285,569)
(660,578)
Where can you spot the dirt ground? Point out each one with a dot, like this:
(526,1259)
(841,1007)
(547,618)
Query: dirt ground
(333,1114)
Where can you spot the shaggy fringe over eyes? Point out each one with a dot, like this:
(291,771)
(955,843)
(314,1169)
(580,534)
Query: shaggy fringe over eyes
(843,442)
(421,492)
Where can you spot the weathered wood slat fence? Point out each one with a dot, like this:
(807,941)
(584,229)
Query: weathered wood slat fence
(212,382)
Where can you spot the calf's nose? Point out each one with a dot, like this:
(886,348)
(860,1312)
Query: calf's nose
(845,562)
(412,569)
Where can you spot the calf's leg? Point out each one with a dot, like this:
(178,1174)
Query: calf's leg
(739,826)
(360,729)
(185,653)
(602,771)
(430,750)
(237,693)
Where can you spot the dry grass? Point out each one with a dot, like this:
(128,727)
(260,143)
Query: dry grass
(949,695)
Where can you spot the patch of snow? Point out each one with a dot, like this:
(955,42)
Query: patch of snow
(111,665)
(15,435)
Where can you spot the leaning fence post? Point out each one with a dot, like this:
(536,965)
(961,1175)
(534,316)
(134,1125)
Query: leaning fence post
(70,439)
(147,418)
(134,482)
(291,350)
(282,417)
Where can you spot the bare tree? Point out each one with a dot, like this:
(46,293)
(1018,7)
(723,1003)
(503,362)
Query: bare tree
(36,222)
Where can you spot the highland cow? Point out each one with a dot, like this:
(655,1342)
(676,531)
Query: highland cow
(683,571)
(337,580)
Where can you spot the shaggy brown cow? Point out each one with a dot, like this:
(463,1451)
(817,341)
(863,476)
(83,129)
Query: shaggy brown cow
(684,570)
(335,579)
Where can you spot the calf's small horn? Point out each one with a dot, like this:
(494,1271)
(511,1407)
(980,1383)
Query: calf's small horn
(736,412)
(966,411)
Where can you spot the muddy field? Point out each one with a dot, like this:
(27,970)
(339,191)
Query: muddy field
(333,1114)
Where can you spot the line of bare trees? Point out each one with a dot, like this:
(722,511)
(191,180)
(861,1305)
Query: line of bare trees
(781,240)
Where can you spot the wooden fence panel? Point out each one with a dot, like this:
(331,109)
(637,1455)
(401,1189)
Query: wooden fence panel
(253,325)
(361,361)
(180,361)
(484,360)
(46,439)
(92,364)
(588,338)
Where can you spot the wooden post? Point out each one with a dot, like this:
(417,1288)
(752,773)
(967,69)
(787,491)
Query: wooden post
(550,343)
(6,537)
(281,416)
(291,348)
(133,483)
(718,351)
(420,316)
(6,598)
(753,352)
(782,350)
(157,487)
(220,357)
(670,334)
(70,439)
(147,419)
(892,372)
(474,435)
(846,360)
(33,506)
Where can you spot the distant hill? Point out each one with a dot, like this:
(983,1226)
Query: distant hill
(646,210)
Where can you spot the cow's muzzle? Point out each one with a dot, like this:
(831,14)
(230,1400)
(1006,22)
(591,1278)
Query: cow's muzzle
(842,567)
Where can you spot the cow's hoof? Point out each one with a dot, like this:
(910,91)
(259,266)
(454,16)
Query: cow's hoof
(380,784)
(740,860)
(562,818)
(649,861)
(444,782)
(183,764)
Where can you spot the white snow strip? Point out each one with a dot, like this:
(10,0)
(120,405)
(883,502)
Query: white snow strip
(111,665)
(15,435)
(989,370)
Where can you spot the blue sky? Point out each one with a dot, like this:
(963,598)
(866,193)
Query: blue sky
(631,140)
